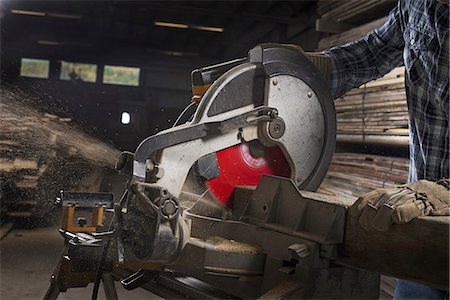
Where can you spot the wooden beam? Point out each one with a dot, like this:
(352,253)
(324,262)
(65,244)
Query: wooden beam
(324,25)
(417,251)
(350,35)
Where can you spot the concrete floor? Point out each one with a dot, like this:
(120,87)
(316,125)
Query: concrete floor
(28,257)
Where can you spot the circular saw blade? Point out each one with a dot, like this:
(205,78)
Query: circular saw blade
(239,167)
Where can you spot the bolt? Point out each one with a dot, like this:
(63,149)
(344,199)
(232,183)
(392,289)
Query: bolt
(169,208)
(309,94)
(274,82)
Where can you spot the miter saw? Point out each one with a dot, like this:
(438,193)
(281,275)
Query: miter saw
(224,197)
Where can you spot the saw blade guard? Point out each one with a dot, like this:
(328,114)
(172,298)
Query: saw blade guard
(276,87)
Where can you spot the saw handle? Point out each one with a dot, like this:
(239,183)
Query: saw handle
(203,78)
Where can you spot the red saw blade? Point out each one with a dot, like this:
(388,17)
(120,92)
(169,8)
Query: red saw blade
(239,167)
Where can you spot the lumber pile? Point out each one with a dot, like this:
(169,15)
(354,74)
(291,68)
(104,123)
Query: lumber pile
(350,19)
(42,153)
(348,11)
(351,174)
(375,112)
(350,35)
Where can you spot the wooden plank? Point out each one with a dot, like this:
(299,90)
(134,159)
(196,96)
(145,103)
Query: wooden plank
(417,251)
(393,140)
(350,35)
(324,25)
(354,174)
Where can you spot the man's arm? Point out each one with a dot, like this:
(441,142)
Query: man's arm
(369,58)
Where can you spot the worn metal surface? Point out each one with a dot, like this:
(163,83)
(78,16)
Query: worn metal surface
(304,134)
(78,199)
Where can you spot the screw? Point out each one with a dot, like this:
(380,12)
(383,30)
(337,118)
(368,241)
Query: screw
(274,82)
(309,94)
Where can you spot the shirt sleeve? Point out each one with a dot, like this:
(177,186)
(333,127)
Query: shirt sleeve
(370,57)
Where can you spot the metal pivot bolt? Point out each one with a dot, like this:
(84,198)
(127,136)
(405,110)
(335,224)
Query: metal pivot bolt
(309,94)
(169,208)
(275,82)
(299,250)
(277,128)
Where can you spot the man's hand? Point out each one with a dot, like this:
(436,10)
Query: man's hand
(381,208)
(321,60)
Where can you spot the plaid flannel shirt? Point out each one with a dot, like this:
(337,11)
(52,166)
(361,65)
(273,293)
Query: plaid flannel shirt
(415,35)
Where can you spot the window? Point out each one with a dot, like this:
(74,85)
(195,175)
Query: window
(126,118)
(121,75)
(78,71)
(37,68)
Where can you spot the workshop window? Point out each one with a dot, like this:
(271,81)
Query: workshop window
(36,68)
(121,75)
(78,71)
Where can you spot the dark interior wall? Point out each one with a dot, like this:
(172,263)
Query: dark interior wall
(100,105)
(123,33)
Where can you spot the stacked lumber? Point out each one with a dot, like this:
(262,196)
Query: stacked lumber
(350,19)
(376,112)
(42,153)
(350,35)
(347,11)
(351,175)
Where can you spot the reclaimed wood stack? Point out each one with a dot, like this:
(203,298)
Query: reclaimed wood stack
(350,35)
(348,11)
(351,175)
(41,153)
(375,113)
(350,20)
